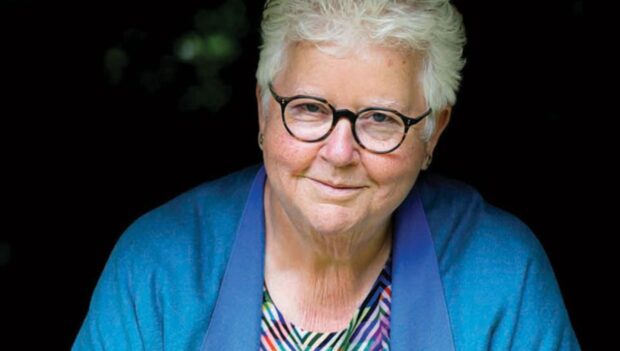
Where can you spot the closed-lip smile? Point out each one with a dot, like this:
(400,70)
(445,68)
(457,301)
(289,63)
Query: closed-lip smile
(337,185)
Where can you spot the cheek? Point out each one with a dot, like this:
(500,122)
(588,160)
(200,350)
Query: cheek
(395,176)
(288,153)
(401,166)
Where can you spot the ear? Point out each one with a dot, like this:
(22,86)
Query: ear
(441,122)
(261,112)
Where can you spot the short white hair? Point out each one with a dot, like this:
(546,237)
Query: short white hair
(432,28)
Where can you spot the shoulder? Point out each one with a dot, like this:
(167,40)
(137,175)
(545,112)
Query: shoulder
(466,227)
(192,217)
(498,281)
(185,241)
(166,269)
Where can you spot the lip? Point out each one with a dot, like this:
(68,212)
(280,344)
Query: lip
(337,186)
(336,190)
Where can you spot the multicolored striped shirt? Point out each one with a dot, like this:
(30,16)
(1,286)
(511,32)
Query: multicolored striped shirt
(369,329)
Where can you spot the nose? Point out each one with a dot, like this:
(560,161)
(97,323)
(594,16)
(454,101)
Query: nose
(340,148)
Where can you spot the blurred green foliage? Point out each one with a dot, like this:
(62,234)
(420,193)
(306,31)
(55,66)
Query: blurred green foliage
(115,61)
(212,45)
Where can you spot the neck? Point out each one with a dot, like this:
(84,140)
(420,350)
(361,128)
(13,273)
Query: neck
(297,246)
(328,275)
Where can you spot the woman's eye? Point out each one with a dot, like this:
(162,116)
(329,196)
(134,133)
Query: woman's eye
(378,117)
(312,108)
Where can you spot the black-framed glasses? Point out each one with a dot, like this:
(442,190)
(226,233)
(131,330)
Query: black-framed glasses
(376,129)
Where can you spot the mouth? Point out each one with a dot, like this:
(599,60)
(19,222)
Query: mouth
(337,186)
(333,189)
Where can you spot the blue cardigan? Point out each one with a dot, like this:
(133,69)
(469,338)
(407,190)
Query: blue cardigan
(188,275)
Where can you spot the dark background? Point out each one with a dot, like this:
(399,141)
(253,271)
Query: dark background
(105,117)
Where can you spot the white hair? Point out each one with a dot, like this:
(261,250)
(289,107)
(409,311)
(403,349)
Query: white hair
(432,28)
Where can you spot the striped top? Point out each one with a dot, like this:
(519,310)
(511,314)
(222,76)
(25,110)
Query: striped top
(369,329)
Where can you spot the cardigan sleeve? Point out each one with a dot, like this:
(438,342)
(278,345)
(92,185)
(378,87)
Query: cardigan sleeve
(542,322)
(112,321)
(501,291)
(162,279)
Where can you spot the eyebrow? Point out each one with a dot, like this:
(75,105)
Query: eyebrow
(391,104)
(373,102)
(308,92)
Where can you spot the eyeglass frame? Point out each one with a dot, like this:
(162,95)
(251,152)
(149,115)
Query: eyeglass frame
(348,114)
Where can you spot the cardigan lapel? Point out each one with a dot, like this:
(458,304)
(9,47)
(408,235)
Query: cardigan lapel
(419,319)
(235,322)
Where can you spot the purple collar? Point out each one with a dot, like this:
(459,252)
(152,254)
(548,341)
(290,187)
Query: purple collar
(419,319)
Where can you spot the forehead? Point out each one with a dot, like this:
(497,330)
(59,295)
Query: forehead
(354,75)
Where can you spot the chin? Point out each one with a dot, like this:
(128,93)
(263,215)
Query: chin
(332,220)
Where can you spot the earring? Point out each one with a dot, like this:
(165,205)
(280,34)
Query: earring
(427,162)
(260,140)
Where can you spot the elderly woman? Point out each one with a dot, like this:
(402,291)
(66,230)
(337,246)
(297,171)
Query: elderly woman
(337,242)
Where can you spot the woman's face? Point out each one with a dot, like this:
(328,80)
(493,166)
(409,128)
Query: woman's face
(335,185)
